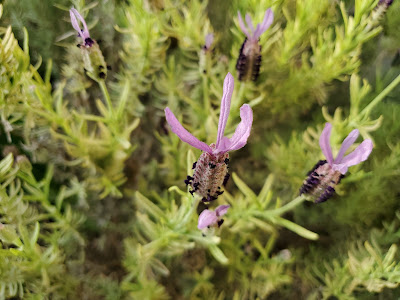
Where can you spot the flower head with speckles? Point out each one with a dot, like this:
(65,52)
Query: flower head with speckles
(210,218)
(249,60)
(326,174)
(211,169)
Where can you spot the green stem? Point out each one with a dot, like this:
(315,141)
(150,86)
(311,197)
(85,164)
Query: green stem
(103,87)
(382,95)
(292,204)
(192,210)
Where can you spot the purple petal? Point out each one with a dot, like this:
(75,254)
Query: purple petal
(183,134)
(207,218)
(360,154)
(242,26)
(225,107)
(324,143)
(266,23)
(249,23)
(348,141)
(74,21)
(209,40)
(221,210)
(242,132)
(73,14)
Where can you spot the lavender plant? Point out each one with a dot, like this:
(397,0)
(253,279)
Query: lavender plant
(115,154)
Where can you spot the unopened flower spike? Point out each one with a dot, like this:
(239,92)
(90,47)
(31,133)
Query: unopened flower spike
(211,169)
(209,40)
(93,59)
(326,174)
(249,60)
(209,218)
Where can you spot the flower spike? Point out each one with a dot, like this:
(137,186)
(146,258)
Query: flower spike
(212,218)
(211,169)
(322,179)
(249,60)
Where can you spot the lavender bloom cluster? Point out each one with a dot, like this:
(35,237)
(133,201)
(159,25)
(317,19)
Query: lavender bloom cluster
(211,169)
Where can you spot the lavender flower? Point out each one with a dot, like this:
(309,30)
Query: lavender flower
(249,61)
(209,40)
(92,56)
(84,34)
(212,218)
(326,174)
(211,169)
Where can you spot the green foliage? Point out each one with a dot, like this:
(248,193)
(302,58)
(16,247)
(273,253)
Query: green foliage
(39,234)
(371,266)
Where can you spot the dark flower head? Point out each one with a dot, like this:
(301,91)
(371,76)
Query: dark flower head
(326,174)
(249,60)
(386,3)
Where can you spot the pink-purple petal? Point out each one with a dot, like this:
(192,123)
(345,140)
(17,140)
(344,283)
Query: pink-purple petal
(360,154)
(225,107)
(242,26)
(348,141)
(221,210)
(268,19)
(325,144)
(257,32)
(249,23)
(209,40)
(183,134)
(207,218)
(242,132)
(85,33)
(74,21)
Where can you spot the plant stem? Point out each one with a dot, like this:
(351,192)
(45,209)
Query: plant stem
(382,95)
(193,208)
(103,87)
(292,204)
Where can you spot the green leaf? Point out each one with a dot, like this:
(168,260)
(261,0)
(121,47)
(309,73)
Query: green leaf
(218,254)
(244,188)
